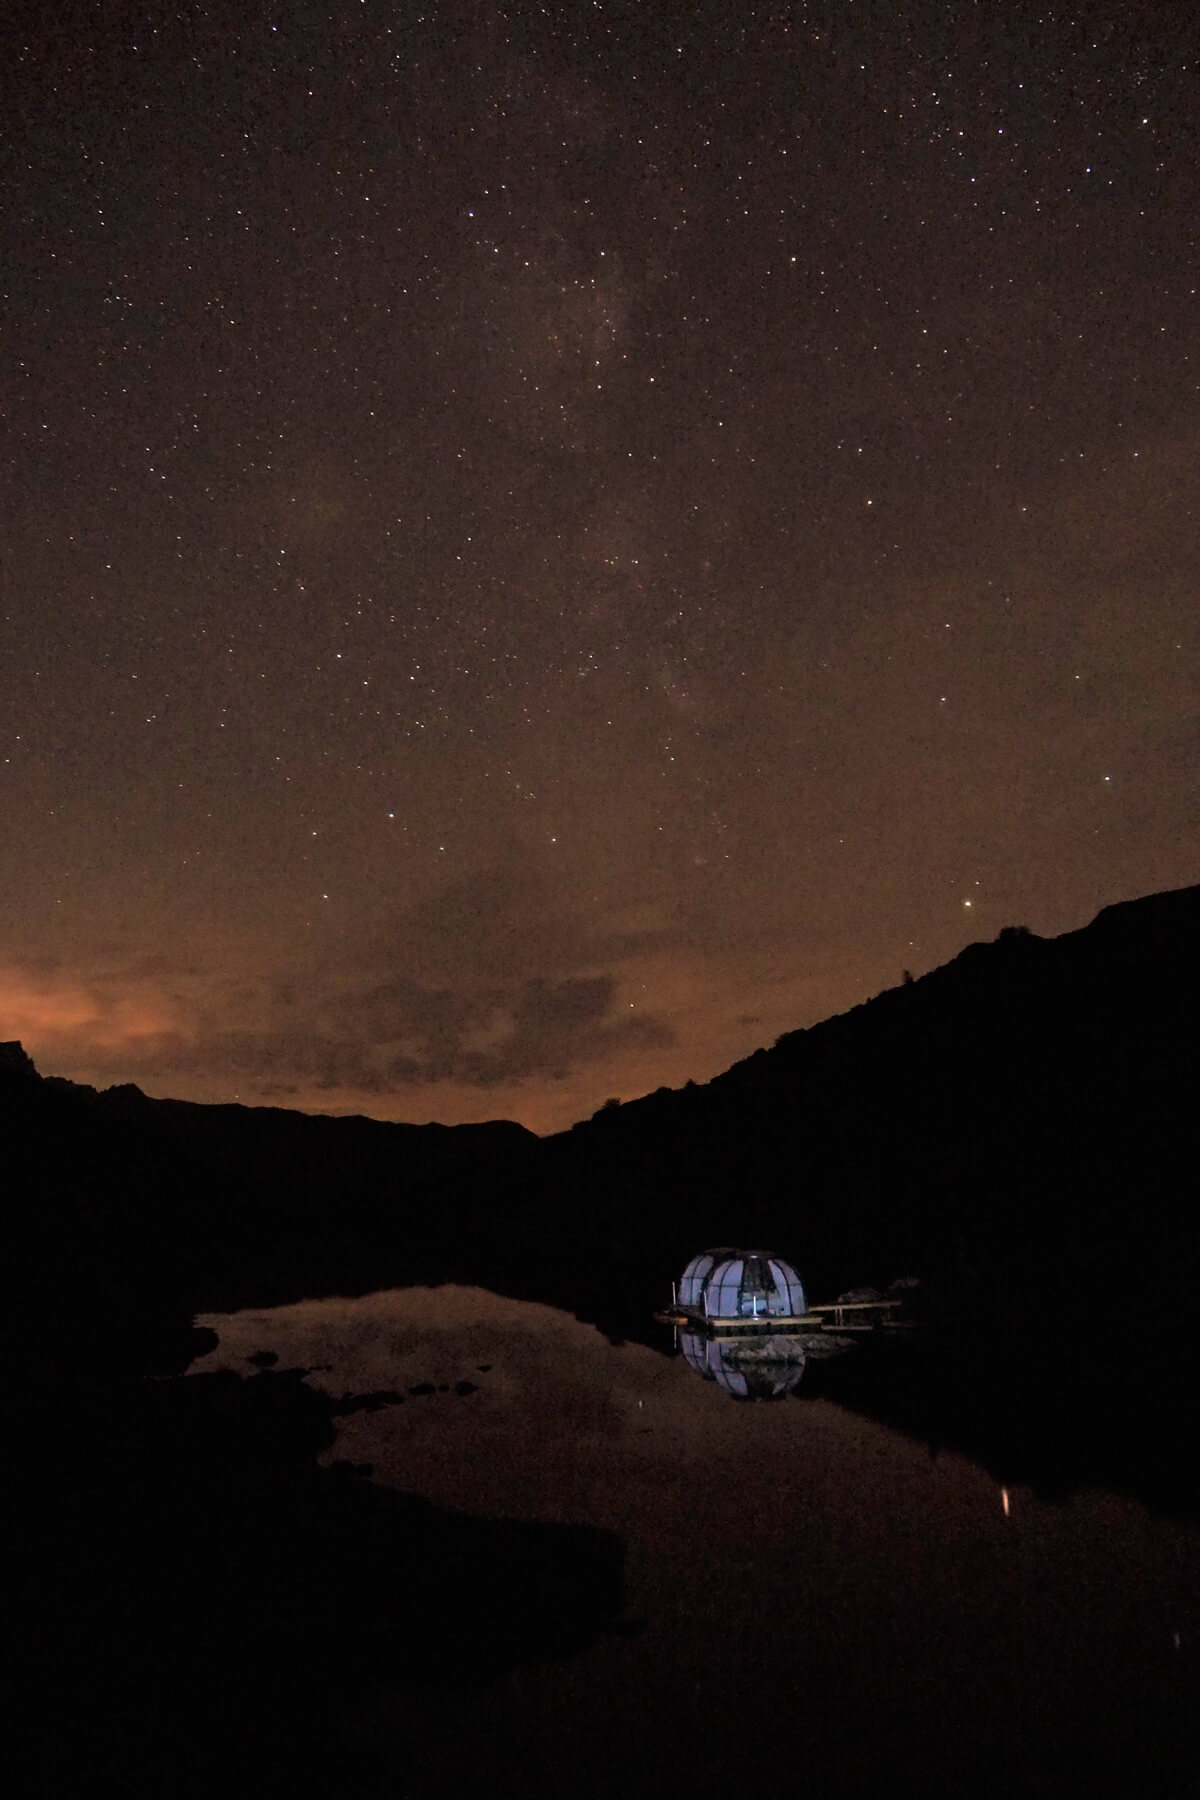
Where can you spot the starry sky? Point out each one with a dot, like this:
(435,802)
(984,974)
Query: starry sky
(543,546)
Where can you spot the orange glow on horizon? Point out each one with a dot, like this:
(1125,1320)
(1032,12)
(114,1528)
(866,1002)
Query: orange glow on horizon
(66,1016)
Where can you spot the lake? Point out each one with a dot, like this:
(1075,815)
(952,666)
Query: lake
(808,1595)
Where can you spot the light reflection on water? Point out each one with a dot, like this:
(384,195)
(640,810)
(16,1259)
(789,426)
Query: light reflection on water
(809,1581)
(747,1368)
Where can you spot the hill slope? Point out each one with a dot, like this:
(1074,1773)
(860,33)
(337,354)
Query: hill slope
(1024,1117)
(1020,1123)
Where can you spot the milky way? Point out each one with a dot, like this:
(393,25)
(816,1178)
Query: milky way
(545,546)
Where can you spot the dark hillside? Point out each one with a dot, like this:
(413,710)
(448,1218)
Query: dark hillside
(1021,1122)
(158,1522)
(1019,1129)
(119,1208)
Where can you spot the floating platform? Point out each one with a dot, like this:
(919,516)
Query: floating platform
(835,1315)
(693,1318)
(754,1293)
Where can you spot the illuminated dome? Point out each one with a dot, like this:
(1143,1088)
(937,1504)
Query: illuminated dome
(765,1368)
(742,1284)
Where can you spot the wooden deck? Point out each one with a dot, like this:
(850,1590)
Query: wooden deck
(868,1315)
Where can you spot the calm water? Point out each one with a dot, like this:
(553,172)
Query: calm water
(818,1598)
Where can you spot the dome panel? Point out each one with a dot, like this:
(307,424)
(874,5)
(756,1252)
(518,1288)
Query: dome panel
(742,1284)
(691,1288)
(725,1288)
(788,1300)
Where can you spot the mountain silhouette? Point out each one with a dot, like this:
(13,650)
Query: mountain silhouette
(1019,1123)
(1017,1130)
(1017,1126)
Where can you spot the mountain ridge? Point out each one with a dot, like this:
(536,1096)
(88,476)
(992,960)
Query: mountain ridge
(1017,1130)
(1173,911)
(1029,1089)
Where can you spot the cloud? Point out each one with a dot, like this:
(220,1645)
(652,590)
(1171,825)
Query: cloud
(537,1027)
(401,1035)
(48,1003)
(494,925)
(558,1026)
(503,924)
(486,985)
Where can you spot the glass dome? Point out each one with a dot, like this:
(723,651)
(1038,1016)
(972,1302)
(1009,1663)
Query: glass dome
(742,1284)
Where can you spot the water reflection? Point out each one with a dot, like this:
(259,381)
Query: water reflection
(919,1627)
(748,1368)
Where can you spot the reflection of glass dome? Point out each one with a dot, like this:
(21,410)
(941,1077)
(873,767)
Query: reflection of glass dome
(761,1368)
(742,1284)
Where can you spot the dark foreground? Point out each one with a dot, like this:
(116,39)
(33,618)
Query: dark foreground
(198,1603)
(201,1606)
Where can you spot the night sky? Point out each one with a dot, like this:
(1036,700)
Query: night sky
(543,546)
